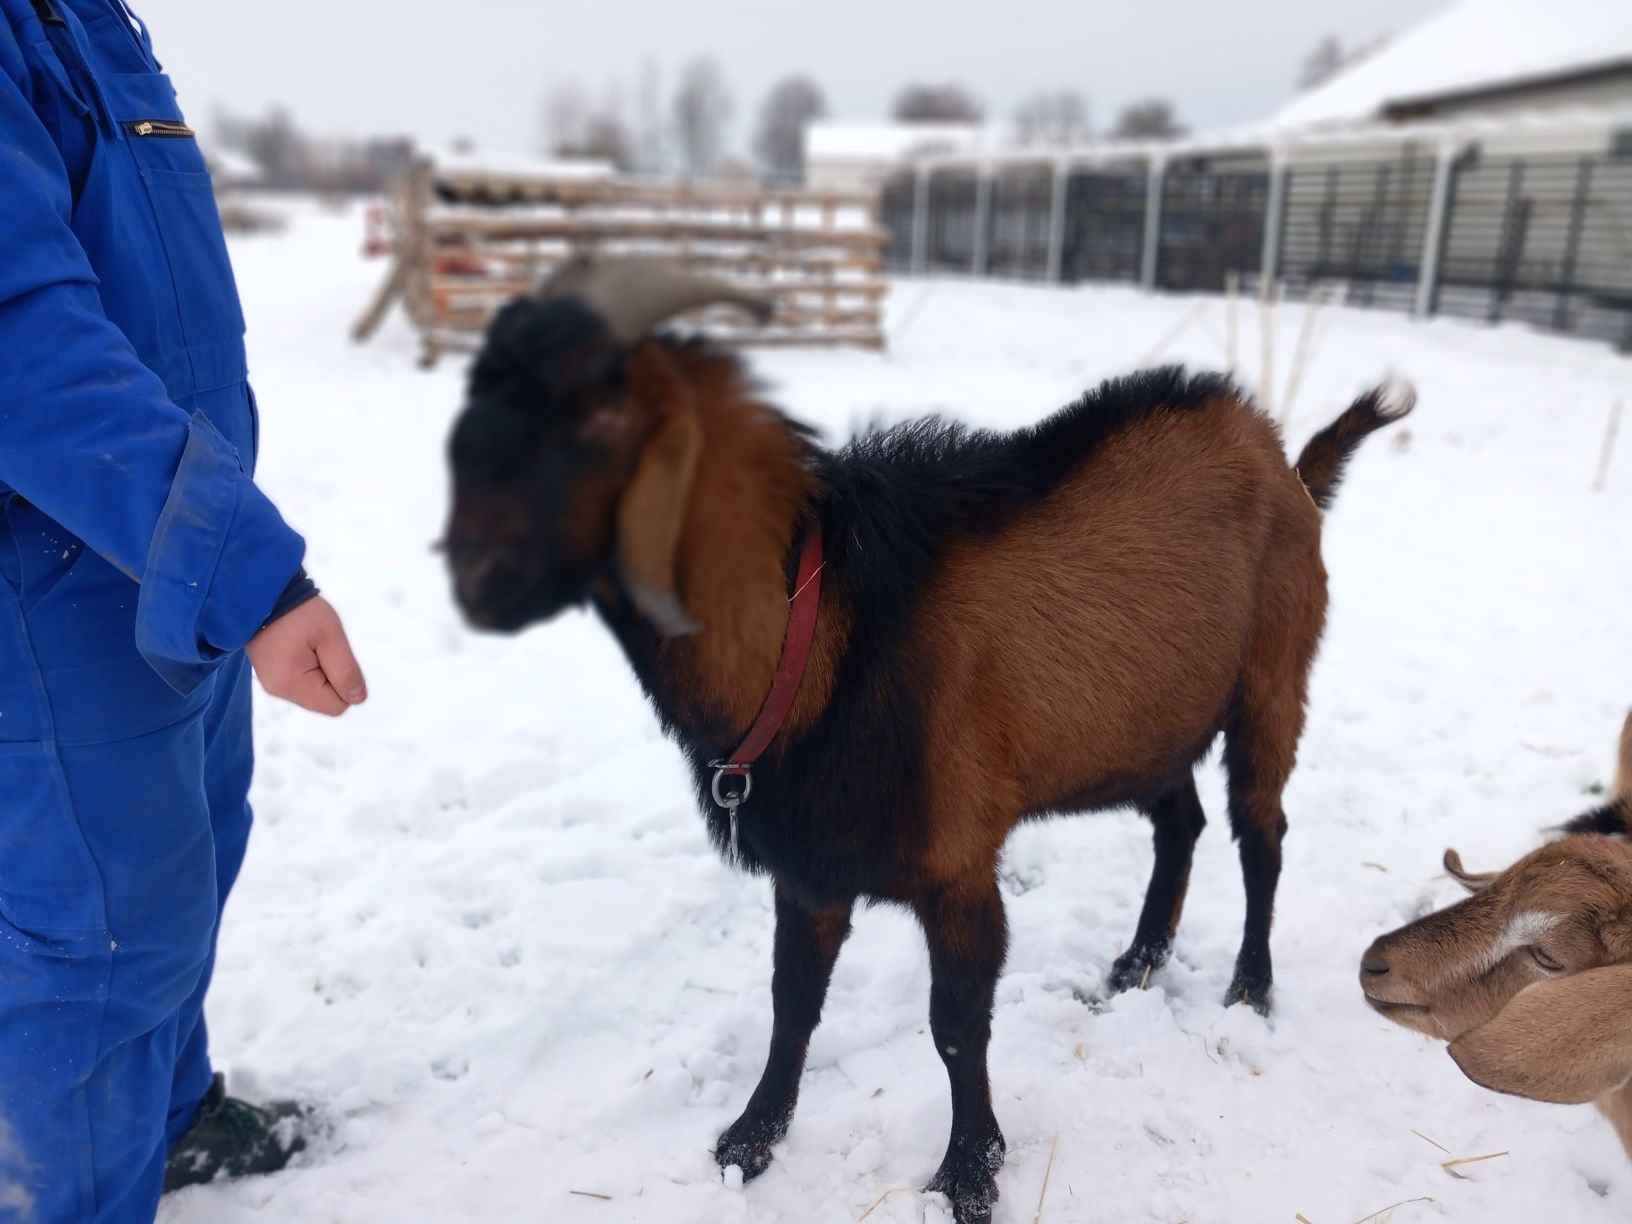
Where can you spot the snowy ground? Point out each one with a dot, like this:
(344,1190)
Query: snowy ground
(480,922)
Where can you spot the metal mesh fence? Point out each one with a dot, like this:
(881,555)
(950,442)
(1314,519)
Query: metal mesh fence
(1022,208)
(1360,226)
(1544,239)
(1104,234)
(897,202)
(952,207)
(1212,223)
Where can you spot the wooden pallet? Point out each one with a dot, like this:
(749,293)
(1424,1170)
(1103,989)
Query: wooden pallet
(462,243)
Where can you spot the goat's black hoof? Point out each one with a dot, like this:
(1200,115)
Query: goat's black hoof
(1135,967)
(1253,989)
(746,1143)
(968,1178)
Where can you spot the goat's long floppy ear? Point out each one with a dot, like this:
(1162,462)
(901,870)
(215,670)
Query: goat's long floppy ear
(1568,1040)
(1473,881)
(652,512)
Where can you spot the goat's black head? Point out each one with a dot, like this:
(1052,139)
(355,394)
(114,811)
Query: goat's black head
(573,457)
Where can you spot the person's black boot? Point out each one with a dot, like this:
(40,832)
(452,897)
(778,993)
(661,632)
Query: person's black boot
(232,1138)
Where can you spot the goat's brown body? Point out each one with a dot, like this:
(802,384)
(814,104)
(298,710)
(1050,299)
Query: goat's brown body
(1105,634)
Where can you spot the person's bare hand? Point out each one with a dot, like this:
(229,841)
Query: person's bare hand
(304,657)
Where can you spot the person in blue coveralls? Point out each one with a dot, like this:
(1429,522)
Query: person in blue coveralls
(142,576)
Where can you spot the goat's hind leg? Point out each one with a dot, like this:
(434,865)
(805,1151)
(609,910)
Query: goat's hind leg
(1260,747)
(1178,820)
(807,945)
(967,937)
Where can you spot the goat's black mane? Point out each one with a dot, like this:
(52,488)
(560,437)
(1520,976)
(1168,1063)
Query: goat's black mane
(963,471)
(891,498)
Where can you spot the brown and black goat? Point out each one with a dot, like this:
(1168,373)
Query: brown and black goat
(1530,978)
(1057,619)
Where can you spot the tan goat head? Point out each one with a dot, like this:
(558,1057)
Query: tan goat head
(1530,978)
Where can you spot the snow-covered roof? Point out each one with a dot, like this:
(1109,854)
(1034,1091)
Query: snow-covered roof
(232,166)
(520,165)
(829,140)
(1470,46)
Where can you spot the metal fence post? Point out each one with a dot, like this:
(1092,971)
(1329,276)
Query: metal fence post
(1056,221)
(1433,242)
(1154,183)
(1274,211)
(1572,244)
(920,220)
(983,219)
(1510,243)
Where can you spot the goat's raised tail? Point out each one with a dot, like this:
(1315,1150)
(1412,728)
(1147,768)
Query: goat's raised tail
(1321,464)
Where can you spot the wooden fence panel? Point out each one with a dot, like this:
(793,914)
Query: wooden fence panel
(464,243)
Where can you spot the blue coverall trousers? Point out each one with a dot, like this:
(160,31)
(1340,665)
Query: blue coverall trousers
(136,559)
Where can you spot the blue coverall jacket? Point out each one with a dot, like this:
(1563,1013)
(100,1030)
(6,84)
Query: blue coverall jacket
(136,559)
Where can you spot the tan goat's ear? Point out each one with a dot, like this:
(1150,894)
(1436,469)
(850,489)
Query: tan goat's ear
(1568,1040)
(1473,881)
(652,512)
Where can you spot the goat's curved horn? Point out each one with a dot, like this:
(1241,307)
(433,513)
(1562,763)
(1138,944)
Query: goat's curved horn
(1473,881)
(635,295)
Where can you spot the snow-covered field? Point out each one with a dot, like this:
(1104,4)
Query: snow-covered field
(481,926)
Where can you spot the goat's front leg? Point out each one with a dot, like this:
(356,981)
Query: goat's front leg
(807,944)
(967,940)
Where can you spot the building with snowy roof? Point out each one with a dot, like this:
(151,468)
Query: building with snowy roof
(858,156)
(1481,59)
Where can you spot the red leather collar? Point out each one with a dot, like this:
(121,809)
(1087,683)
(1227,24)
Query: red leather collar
(790,669)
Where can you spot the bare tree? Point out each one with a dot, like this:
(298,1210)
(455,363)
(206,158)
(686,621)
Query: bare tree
(1052,117)
(564,115)
(1322,64)
(1152,119)
(1330,57)
(948,103)
(575,126)
(779,140)
(702,109)
(649,141)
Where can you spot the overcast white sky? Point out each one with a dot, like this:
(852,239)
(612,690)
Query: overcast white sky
(480,68)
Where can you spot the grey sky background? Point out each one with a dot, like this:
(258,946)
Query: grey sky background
(480,68)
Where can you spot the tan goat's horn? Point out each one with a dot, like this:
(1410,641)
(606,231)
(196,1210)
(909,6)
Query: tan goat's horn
(1473,881)
(635,295)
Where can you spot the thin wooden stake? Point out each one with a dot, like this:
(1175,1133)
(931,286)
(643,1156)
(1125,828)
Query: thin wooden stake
(1421,1198)
(1173,333)
(880,1199)
(1300,356)
(605,1198)
(1302,1219)
(1047,1169)
(1604,451)
(1232,294)
(1425,1139)
(1462,1160)
(1266,335)
(910,315)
